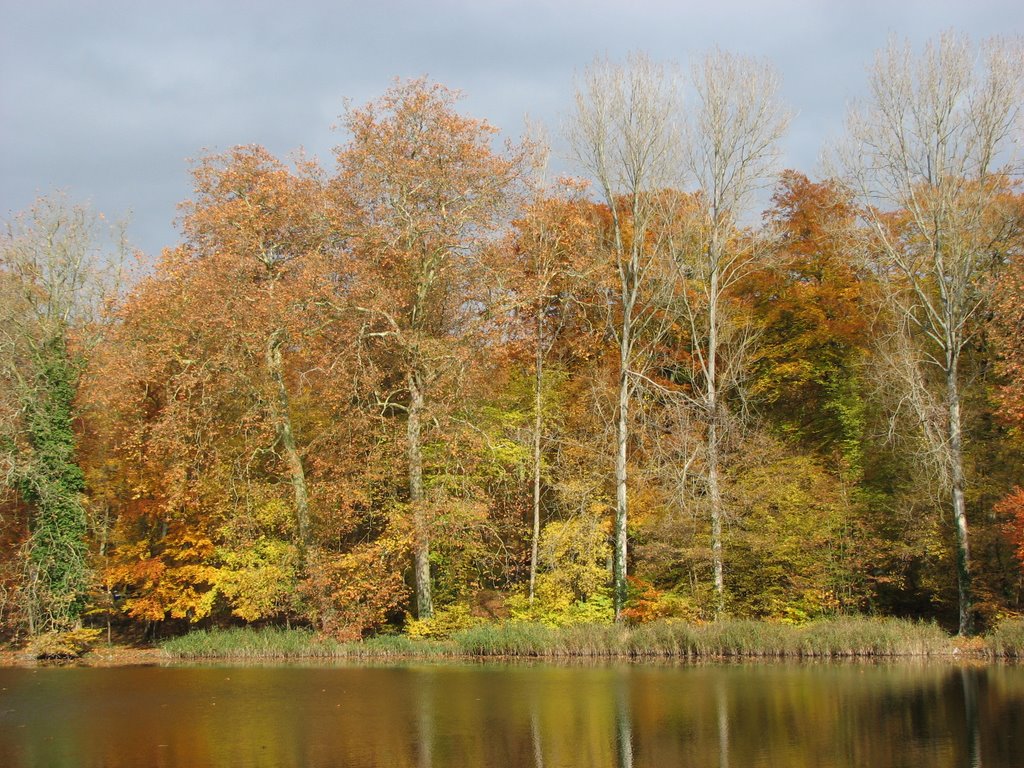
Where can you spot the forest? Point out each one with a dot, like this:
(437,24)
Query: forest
(432,384)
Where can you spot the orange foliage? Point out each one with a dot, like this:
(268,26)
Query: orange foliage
(1012,507)
(352,593)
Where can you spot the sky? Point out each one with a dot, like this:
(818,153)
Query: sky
(109,101)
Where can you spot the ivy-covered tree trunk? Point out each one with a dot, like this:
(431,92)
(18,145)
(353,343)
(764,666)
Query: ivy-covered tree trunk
(51,481)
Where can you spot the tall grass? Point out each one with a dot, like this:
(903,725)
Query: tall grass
(275,643)
(1007,640)
(834,638)
(847,637)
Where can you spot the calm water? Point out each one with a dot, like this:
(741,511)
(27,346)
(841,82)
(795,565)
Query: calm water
(514,715)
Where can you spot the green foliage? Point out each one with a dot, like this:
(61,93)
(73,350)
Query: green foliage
(53,483)
(844,403)
(787,554)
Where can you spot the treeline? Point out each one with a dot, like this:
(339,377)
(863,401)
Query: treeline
(429,384)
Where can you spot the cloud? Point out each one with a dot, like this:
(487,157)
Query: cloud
(109,99)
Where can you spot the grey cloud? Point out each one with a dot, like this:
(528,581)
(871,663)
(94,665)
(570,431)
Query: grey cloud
(109,99)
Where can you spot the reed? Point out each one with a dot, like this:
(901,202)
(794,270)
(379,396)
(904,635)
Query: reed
(276,643)
(834,638)
(729,638)
(1007,640)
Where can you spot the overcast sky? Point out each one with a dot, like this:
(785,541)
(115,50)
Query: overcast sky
(109,100)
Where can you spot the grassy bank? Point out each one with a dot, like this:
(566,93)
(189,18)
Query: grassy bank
(274,643)
(834,638)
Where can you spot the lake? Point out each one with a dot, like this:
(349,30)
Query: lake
(492,714)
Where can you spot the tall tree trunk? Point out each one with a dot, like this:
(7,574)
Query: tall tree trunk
(621,438)
(421,543)
(715,498)
(538,403)
(286,437)
(958,482)
(711,395)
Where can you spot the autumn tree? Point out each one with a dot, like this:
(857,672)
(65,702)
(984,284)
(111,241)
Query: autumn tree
(733,138)
(625,134)
(425,196)
(1008,334)
(1008,338)
(926,159)
(252,210)
(197,381)
(555,238)
(54,275)
(809,302)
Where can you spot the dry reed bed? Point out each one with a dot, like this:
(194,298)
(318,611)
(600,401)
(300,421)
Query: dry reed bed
(853,637)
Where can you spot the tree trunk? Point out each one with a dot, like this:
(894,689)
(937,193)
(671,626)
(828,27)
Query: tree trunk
(711,395)
(958,482)
(286,437)
(421,543)
(621,437)
(537,424)
(715,498)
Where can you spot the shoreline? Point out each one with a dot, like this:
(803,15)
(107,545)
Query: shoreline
(126,657)
(838,639)
(133,656)
(106,656)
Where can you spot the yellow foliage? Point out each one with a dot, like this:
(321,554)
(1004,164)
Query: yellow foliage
(259,579)
(63,645)
(444,623)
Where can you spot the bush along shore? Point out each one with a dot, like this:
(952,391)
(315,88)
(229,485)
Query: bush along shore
(740,639)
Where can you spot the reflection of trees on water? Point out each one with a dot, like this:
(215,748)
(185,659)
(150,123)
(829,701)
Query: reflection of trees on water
(877,715)
(722,704)
(619,722)
(535,739)
(623,720)
(424,686)
(969,681)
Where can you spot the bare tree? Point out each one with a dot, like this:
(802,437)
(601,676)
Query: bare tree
(625,134)
(733,136)
(928,156)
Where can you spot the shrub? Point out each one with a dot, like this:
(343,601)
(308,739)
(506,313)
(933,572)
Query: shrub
(444,623)
(64,645)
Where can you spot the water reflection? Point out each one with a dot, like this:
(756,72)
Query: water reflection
(422,716)
(623,719)
(535,732)
(969,681)
(425,721)
(722,701)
